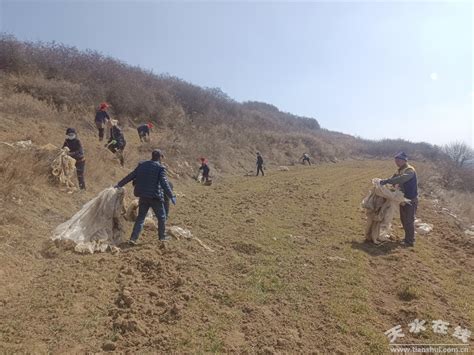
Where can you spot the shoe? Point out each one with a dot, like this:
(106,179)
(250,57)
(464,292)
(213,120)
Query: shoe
(407,245)
(165,239)
(132,242)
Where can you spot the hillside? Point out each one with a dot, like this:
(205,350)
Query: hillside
(289,271)
(61,85)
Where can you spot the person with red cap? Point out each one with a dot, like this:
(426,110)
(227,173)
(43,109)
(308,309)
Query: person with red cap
(101,118)
(205,170)
(144,131)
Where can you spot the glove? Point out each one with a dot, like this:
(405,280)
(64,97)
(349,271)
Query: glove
(173,200)
(116,187)
(383,182)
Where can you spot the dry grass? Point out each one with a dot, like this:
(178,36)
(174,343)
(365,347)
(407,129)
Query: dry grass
(437,181)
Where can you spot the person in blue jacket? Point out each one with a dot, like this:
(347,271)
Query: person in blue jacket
(405,178)
(205,170)
(101,118)
(77,152)
(259,164)
(144,131)
(151,187)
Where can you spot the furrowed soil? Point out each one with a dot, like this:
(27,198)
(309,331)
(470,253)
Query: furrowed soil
(289,272)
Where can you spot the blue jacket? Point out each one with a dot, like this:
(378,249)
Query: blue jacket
(405,177)
(101,116)
(205,169)
(150,180)
(143,129)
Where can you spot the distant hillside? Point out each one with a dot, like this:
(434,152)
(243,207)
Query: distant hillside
(41,81)
(469,164)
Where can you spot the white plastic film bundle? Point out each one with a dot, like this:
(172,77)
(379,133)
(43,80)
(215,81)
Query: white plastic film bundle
(97,226)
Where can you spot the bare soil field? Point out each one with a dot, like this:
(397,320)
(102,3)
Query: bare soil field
(289,272)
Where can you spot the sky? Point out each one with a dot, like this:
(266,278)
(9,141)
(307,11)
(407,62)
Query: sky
(375,69)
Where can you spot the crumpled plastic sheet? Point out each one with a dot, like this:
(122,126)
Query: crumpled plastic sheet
(64,168)
(381,205)
(97,227)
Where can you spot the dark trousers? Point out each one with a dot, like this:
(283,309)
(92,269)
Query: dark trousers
(100,128)
(80,170)
(144,137)
(260,168)
(407,216)
(306,160)
(144,204)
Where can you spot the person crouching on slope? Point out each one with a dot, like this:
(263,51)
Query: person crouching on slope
(205,170)
(101,118)
(77,153)
(144,131)
(305,158)
(151,185)
(406,179)
(116,143)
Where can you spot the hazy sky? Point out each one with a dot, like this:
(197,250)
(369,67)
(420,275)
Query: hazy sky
(374,69)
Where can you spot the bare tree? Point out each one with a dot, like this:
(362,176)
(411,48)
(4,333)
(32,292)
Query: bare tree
(458,152)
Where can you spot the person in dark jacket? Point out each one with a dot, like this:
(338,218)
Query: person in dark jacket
(77,152)
(116,143)
(405,178)
(144,131)
(259,164)
(305,158)
(151,187)
(205,170)
(101,118)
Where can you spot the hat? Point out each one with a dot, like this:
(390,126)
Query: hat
(150,125)
(402,156)
(70,130)
(156,154)
(103,106)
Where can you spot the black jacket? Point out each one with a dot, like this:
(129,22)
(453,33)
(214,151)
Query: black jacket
(75,148)
(205,169)
(117,135)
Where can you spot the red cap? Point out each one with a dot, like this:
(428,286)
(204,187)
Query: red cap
(150,125)
(103,105)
